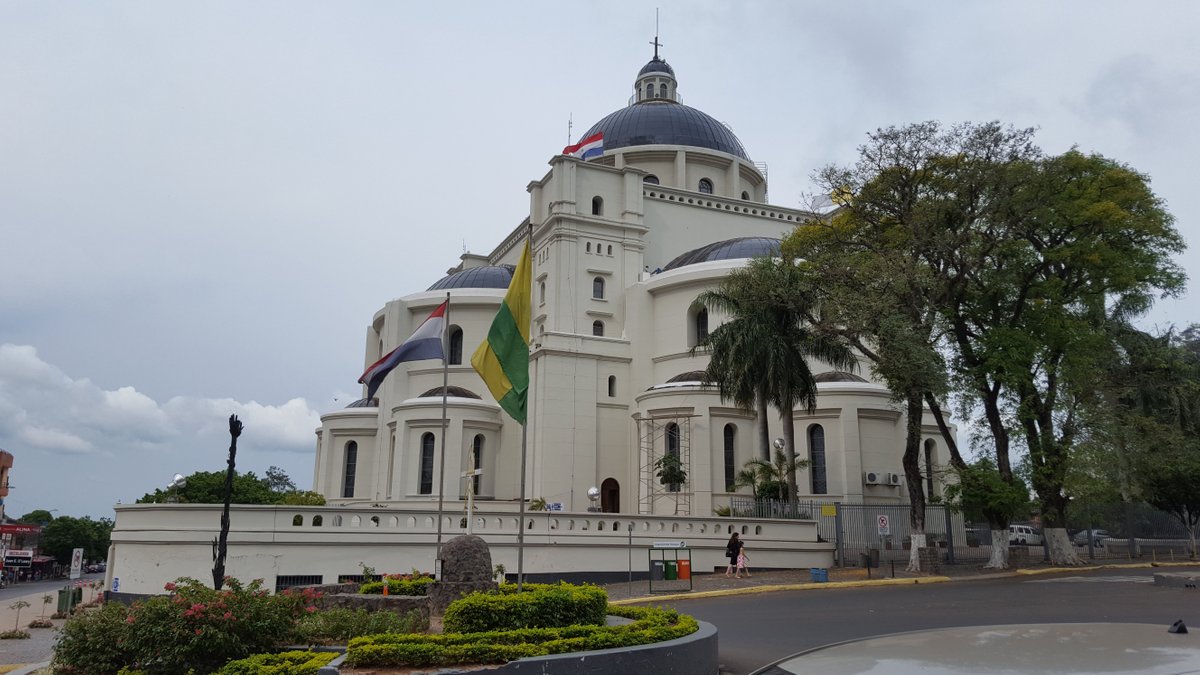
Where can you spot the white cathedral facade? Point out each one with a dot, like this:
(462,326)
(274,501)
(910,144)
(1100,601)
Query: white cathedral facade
(622,245)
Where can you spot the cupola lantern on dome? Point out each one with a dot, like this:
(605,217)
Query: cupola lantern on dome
(655,81)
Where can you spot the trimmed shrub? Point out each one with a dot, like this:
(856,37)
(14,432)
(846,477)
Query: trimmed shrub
(339,625)
(284,663)
(650,625)
(542,606)
(412,586)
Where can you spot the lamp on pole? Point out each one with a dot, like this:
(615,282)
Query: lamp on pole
(174,486)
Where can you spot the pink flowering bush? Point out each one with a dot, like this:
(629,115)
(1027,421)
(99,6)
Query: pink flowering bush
(193,627)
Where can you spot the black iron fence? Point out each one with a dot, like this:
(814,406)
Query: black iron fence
(881,531)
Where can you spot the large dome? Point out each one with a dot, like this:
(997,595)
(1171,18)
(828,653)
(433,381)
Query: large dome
(730,249)
(665,123)
(498,276)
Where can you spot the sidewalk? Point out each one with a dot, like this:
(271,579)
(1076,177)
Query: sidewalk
(39,648)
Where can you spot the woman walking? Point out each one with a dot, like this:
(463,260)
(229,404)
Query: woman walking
(732,550)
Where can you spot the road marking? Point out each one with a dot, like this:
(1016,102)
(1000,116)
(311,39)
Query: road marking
(1097,580)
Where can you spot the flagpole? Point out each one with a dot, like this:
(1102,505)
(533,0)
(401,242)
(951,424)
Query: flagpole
(524,454)
(445,431)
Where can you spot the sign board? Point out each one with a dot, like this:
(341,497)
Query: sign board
(76,563)
(828,510)
(554,506)
(116,584)
(884,526)
(670,544)
(18,558)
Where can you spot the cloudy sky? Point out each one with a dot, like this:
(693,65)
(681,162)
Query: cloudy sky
(203,204)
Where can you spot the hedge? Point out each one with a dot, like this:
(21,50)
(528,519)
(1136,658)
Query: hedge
(417,586)
(284,663)
(650,625)
(542,606)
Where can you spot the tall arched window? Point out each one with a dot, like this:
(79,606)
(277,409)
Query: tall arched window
(650,90)
(598,288)
(597,206)
(610,249)
(651,179)
(730,459)
(477,462)
(673,449)
(706,186)
(350,466)
(589,247)
(612,386)
(426,485)
(930,449)
(456,340)
(542,292)
(598,328)
(662,91)
(702,325)
(816,455)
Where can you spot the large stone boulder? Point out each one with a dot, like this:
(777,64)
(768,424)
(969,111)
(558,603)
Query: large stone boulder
(466,568)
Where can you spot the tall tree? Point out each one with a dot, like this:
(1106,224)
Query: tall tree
(769,338)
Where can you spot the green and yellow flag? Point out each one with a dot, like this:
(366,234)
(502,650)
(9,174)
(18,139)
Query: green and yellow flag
(503,358)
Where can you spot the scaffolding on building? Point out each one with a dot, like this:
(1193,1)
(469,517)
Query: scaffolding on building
(652,446)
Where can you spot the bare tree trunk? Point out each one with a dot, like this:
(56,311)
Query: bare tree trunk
(764,432)
(1059,544)
(789,440)
(912,475)
(999,559)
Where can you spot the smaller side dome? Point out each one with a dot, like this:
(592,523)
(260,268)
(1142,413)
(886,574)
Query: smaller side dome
(492,276)
(451,391)
(372,402)
(690,376)
(657,65)
(730,249)
(837,376)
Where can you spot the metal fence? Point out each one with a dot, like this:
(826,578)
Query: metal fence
(881,531)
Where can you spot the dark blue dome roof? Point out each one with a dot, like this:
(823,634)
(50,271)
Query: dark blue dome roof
(656,65)
(498,276)
(665,123)
(730,249)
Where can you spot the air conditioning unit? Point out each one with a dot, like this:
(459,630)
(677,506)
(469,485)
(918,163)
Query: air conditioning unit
(872,478)
(894,478)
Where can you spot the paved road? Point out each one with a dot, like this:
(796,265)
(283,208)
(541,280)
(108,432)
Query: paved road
(759,629)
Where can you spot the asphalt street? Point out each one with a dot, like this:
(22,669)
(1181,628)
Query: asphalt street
(759,629)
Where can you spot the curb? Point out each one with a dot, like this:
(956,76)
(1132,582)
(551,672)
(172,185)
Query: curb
(1111,566)
(771,588)
(30,668)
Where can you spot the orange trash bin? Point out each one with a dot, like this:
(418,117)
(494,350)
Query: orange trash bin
(685,569)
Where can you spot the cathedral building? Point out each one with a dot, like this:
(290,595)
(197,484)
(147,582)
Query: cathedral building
(623,242)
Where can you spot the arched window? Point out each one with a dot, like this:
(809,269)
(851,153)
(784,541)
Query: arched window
(351,462)
(706,186)
(662,90)
(426,486)
(816,456)
(598,288)
(745,196)
(610,249)
(730,460)
(542,292)
(456,340)
(597,206)
(477,463)
(598,328)
(701,325)
(673,450)
(650,90)
(589,247)
(651,179)
(612,386)
(930,449)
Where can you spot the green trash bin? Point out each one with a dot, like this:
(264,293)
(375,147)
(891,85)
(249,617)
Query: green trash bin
(671,572)
(65,598)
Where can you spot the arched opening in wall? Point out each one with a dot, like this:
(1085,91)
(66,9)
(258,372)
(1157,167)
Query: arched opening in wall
(745,196)
(598,288)
(597,206)
(612,386)
(662,91)
(610,496)
(930,451)
(651,179)
(697,325)
(588,247)
(672,436)
(730,457)
(297,520)
(477,463)
(456,344)
(350,463)
(816,458)
(706,186)
(317,521)
(650,90)
(541,292)
(425,486)
(598,328)
(610,249)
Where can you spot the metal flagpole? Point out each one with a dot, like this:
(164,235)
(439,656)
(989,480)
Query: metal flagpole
(445,429)
(524,445)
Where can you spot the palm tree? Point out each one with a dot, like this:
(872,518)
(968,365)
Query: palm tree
(765,347)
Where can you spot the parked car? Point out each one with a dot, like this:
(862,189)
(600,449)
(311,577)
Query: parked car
(1098,537)
(1024,534)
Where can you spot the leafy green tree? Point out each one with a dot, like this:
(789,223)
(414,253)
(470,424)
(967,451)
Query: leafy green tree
(66,533)
(37,517)
(766,345)
(769,480)
(277,480)
(208,487)
(671,474)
